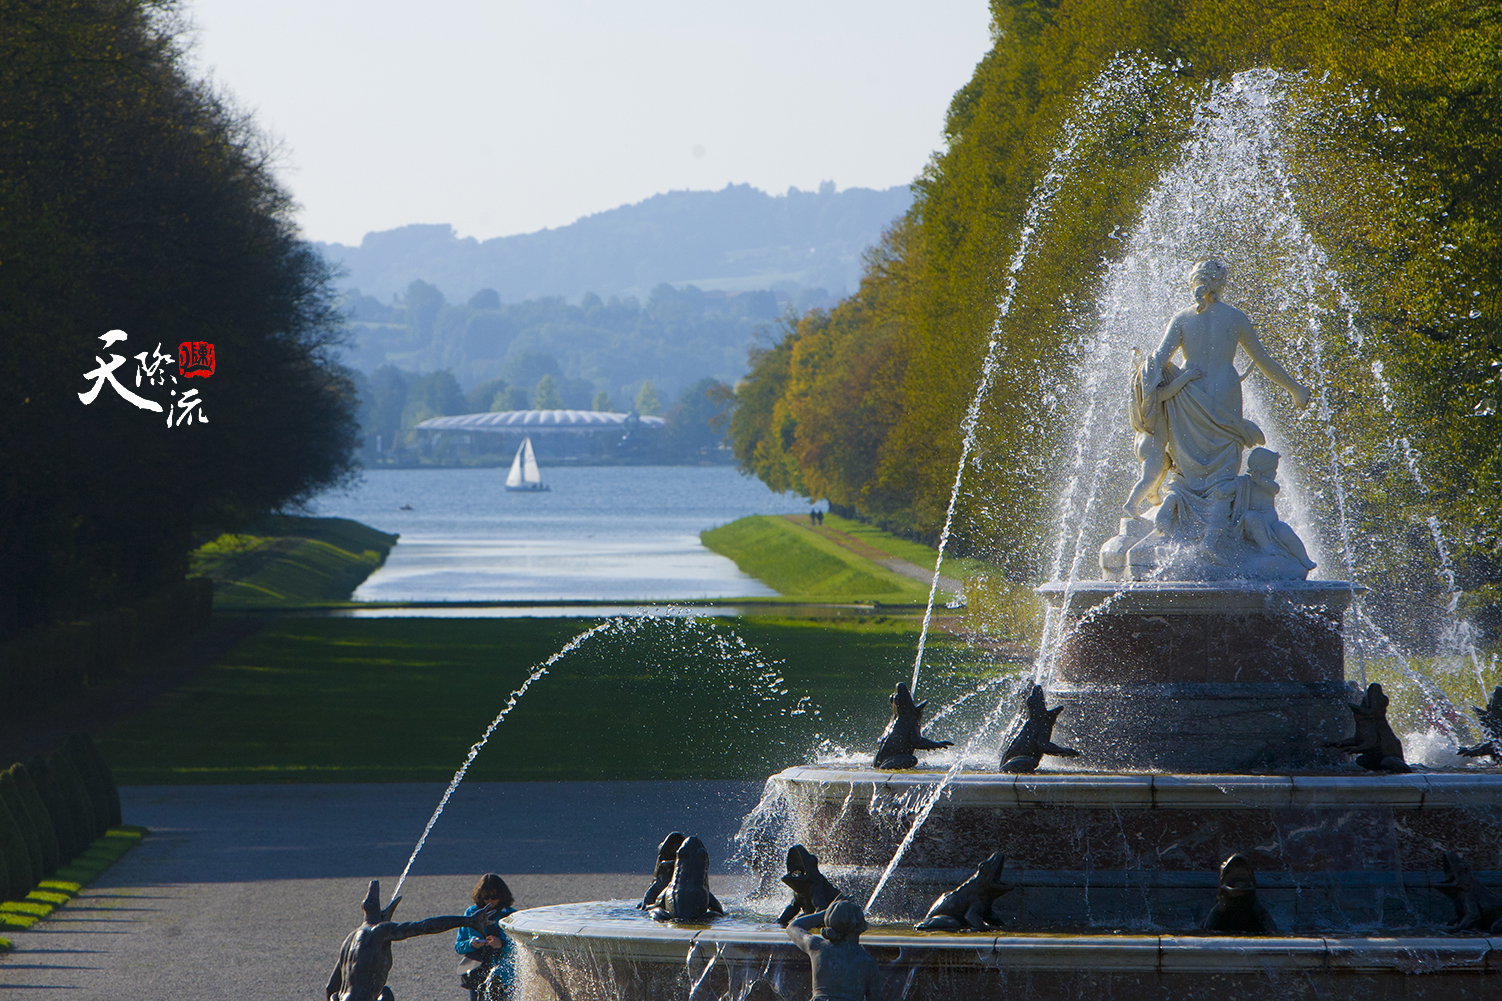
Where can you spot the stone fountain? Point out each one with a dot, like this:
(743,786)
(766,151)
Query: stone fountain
(1201,679)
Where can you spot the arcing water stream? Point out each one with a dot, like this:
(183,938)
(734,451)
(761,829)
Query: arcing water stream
(721,655)
(1123,83)
(479,745)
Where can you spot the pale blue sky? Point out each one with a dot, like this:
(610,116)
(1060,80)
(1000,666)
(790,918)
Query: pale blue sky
(503,117)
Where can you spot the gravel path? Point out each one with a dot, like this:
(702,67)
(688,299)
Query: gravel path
(247,891)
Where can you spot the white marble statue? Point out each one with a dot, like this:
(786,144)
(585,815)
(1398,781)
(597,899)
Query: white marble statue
(1253,513)
(1183,516)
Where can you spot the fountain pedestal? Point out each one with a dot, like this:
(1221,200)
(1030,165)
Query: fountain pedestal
(1225,676)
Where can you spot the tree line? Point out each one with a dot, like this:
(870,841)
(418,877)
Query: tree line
(135,198)
(1399,178)
(595,346)
(393,401)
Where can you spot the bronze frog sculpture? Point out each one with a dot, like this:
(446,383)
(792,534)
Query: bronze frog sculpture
(969,905)
(812,893)
(1026,750)
(903,735)
(1476,907)
(687,896)
(1376,747)
(1491,721)
(1237,908)
(667,854)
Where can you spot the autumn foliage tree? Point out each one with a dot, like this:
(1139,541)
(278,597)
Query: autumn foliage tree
(1403,188)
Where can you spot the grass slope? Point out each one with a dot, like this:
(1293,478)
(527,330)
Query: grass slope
(341,700)
(292,561)
(906,549)
(799,563)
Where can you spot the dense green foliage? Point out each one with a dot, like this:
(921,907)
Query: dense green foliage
(401,700)
(132,198)
(291,561)
(56,661)
(1399,178)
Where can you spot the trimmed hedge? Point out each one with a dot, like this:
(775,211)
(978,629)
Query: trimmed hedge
(10,799)
(53,893)
(19,877)
(50,662)
(53,813)
(41,820)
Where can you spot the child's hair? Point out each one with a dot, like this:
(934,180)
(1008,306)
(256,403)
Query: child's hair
(491,885)
(842,920)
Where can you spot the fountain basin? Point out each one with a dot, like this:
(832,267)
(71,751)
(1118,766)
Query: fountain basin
(605,950)
(1338,851)
(1221,676)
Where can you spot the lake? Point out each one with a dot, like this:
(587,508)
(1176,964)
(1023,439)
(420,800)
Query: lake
(601,533)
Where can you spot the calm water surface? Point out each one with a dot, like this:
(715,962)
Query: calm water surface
(607,533)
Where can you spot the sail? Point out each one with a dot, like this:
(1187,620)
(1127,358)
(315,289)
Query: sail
(529,464)
(514,478)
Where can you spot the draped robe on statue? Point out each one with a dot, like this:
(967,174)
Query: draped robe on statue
(1205,440)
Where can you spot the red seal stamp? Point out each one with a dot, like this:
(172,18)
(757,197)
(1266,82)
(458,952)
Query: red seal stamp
(195,358)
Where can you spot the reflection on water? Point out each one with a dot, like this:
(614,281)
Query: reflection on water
(604,533)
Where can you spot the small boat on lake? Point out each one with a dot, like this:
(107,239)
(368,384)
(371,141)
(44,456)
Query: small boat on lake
(524,476)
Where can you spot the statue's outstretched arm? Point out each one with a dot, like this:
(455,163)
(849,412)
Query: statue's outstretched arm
(801,936)
(1270,367)
(432,926)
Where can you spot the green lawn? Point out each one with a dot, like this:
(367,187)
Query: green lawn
(799,563)
(320,700)
(906,549)
(291,561)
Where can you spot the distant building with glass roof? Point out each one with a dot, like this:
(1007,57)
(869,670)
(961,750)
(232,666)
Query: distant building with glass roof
(540,422)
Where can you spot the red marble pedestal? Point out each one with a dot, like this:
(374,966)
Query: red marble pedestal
(1201,677)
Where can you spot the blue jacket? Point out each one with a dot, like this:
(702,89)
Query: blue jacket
(468,942)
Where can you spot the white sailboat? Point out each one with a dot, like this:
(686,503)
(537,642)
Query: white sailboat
(524,475)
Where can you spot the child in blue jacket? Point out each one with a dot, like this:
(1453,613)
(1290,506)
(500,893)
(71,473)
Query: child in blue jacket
(487,959)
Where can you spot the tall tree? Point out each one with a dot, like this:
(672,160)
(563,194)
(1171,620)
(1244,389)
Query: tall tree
(133,198)
(1397,173)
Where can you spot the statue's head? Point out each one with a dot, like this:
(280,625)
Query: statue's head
(801,860)
(1262,460)
(902,701)
(1207,279)
(692,860)
(371,905)
(1237,877)
(1457,869)
(843,920)
(668,850)
(990,870)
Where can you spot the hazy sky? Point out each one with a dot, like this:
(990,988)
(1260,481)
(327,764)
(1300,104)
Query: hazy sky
(502,117)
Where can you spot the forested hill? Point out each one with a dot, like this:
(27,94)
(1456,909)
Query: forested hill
(734,239)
